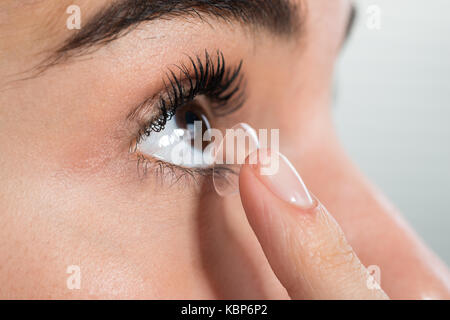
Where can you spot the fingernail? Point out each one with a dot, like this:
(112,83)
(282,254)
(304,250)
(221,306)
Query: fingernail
(280,176)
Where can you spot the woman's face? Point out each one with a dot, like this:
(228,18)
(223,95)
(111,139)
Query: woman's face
(77,107)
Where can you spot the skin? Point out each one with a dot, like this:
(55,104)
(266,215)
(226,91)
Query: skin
(70,193)
(303,243)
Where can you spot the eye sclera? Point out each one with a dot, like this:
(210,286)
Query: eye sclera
(219,166)
(181,141)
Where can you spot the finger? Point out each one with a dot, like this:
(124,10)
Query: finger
(304,245)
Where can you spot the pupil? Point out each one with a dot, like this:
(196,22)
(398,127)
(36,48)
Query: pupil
(190,118)
(186,118)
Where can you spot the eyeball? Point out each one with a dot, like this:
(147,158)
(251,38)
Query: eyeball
(181,141)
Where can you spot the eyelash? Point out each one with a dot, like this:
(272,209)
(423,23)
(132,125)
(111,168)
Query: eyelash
(222,86)
(211,78)
(168,171)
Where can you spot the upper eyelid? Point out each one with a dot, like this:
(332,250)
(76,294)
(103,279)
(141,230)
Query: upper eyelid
(194,69)
(228,80)
(163,89)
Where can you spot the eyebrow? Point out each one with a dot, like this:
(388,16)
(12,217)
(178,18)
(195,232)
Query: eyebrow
(353,16)
(280,17)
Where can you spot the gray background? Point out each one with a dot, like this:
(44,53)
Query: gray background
(392,109)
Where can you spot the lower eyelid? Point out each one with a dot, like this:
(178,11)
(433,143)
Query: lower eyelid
(167,173)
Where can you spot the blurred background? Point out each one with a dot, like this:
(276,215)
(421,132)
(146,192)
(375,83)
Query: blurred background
(392,108)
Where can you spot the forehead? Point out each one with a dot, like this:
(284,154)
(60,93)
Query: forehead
(48,17)
(41,18)
(32,28)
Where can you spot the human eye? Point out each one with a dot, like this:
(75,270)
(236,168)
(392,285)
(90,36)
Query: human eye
(195,96)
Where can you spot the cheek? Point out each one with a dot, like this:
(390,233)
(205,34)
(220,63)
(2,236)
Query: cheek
(84,155)
(106,229)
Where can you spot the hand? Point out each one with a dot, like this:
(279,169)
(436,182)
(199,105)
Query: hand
(304,245)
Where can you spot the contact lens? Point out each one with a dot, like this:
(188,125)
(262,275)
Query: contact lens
(230,153)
